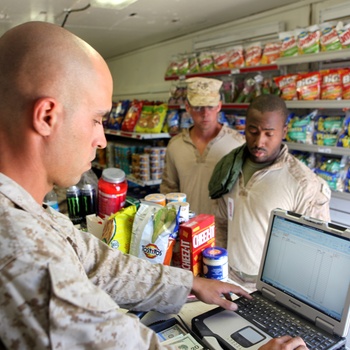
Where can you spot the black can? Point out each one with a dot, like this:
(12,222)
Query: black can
(73,195)
(88,200)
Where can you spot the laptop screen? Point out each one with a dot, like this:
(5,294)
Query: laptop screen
(308,263)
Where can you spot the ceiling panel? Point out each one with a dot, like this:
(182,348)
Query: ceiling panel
(143,23)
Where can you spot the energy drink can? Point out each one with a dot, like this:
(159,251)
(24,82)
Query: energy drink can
(88,200)
(73,195)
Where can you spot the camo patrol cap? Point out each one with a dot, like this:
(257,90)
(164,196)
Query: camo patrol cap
(203,91)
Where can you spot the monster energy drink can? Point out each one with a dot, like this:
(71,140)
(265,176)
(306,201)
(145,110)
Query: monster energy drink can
(73,195)
(88,200)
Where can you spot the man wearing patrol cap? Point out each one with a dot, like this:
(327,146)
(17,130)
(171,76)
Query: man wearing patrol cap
(192,154)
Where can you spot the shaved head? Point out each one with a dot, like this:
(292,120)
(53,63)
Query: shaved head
(55,90)
(40,59)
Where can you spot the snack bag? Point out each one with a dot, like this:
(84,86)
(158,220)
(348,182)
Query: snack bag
(287,85)
(331,85)
(309,40)
(154,232)
(173,122)
(151,119)
(206,62)
(330,124)
(289,44)
(117,229)
(329,39)
(220,60)
(344,36)
(253,54)
(345,81)
(236,57)
(117,114)
(193,64)
(300,129)
(271,52)
(183,65)
(309,86)
(132,116)
(173,67)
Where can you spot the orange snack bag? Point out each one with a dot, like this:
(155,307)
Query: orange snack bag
(331,85)
(309,86)
(288,86)
(132,116)
(236,57)
(253,54)
(220,60)
(271,53)
(345,79)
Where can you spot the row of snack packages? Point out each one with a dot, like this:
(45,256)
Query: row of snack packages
(334,170)
(328,36)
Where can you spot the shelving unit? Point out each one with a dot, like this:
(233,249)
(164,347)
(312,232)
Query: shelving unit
(135,135)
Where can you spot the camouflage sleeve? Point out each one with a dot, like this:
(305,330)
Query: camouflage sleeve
(220,212)
(132,282)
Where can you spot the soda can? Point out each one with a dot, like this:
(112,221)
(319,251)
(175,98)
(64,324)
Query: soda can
(88,200)
(73,195)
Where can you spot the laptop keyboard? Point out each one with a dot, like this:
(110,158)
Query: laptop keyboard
(277,321)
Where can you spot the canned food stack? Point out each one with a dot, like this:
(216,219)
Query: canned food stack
(141,166)
(157,158)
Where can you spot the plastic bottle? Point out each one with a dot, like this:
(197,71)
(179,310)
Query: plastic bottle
(51,200)
(112,188)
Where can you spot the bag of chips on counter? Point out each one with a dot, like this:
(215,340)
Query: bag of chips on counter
(154,232)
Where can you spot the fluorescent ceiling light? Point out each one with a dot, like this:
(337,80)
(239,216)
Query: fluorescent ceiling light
(112,4)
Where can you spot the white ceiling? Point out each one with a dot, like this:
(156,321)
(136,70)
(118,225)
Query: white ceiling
(143,23)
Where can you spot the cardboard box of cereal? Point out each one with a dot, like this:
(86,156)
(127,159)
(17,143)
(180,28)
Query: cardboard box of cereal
(195,235)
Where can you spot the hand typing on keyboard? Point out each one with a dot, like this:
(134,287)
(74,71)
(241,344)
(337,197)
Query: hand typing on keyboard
(285,342)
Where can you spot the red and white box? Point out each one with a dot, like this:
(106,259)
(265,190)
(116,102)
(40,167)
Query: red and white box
(195,235)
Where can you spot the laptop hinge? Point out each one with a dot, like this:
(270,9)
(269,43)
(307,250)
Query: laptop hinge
(268,294)
(328,327)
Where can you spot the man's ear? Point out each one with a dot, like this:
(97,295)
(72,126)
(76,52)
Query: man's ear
(44,115)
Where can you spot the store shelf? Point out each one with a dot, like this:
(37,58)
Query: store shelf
(135,135)
(314,57)
(143,183)
(243,70)
(339,151)
(341,195)
(322,104)
(223,107)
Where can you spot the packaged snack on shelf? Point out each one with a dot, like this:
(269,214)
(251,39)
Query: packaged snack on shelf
(329,39)
(186,120)
(132,116)
(271,52)
(333,170)
(309,86)
(183,65)
(347,182)
(247,93)
(305,157)
(118,227)
(152,119)
(331,85)
(235,57)
(287,85)
(206,61)
(289,43)
(345,80)
(253,54)
(332,124)
(300,129)
(344,36)
(309,40)
(324,139)
(173,122)
(194,66)
(220,59)
(227,91)
(173,67)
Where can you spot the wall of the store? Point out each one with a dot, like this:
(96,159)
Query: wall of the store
(140,74)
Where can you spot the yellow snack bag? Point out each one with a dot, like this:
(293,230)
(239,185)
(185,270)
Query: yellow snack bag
(118,228)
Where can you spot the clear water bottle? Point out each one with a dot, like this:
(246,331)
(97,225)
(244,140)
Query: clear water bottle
(51,200)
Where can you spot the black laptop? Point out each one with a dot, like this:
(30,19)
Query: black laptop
(303,289)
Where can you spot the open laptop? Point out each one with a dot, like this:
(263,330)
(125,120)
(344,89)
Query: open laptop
(305,273)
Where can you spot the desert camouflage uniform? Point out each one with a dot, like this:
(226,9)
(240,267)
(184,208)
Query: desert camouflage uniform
(286,184)
(188,171)
(61,288)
